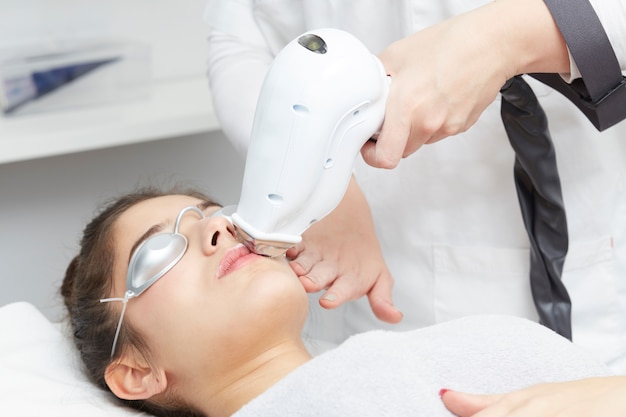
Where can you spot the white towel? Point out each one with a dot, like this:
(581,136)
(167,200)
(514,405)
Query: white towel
(382,373)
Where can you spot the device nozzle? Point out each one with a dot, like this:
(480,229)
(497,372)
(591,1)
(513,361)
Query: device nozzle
(261,247)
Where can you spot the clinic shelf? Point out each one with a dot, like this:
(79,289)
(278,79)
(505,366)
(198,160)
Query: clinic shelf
(173,108)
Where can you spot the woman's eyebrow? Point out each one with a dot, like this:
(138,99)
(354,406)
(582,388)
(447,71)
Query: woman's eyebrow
(205,204)
(151,231)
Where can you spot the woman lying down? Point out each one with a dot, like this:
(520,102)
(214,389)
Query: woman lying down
(176,317)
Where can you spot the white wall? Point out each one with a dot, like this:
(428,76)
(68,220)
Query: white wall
(45,203)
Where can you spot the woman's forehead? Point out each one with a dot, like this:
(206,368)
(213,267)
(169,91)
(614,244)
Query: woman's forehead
(145,214)
(159,206)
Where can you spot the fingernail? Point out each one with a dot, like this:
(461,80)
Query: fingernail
(443,391)
(329,296)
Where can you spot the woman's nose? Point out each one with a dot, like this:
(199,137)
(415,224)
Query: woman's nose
(217,231)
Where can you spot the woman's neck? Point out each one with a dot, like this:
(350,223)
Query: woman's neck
(251,378)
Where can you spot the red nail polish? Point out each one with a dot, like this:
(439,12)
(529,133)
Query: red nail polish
(443,391)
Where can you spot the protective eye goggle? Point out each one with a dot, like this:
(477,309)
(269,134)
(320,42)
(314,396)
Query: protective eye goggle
(153,258)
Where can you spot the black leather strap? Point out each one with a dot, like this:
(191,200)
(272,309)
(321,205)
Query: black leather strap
(601,93)
(541,202)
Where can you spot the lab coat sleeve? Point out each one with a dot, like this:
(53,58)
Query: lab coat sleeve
(244,36)
(237,61)
(612,15)
(236,70)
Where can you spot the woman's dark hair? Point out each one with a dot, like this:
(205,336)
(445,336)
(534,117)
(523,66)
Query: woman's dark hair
(88,279)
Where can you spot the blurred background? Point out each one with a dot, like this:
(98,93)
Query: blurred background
(146,118)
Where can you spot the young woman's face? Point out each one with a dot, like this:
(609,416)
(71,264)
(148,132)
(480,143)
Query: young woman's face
(218,303)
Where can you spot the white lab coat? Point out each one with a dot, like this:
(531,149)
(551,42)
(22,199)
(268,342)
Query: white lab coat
(447,217)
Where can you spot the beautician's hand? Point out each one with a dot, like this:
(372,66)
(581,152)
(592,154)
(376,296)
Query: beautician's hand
(341,253)
(593,397)
(445,76)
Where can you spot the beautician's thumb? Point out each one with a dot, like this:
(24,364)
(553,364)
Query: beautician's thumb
(466,405)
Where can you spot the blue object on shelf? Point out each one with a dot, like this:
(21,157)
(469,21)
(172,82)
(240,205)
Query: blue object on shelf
(21,90)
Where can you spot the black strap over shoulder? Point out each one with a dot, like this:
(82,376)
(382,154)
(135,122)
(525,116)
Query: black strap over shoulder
(601,93)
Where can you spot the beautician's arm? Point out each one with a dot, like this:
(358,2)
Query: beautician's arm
(593,397)
(443,77)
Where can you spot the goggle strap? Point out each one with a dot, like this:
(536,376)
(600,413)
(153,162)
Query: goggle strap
(127,296)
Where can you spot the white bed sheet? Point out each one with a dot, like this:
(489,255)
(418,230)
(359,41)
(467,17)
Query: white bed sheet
(40,373)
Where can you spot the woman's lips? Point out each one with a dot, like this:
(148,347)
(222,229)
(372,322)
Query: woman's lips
(234,259)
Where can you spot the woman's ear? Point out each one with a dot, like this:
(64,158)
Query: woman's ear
(132,378)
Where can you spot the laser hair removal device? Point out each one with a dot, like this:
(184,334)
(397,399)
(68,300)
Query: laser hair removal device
(323,97)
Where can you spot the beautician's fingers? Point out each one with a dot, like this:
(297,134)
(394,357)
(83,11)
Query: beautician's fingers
(381,301)
(348,287)
(314,271)
(347,272)
(530,402)
(466,405)
(301,261)
(341,253)
(389,147)
(346,280)
(590,397)
(413,115)
(319,277)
